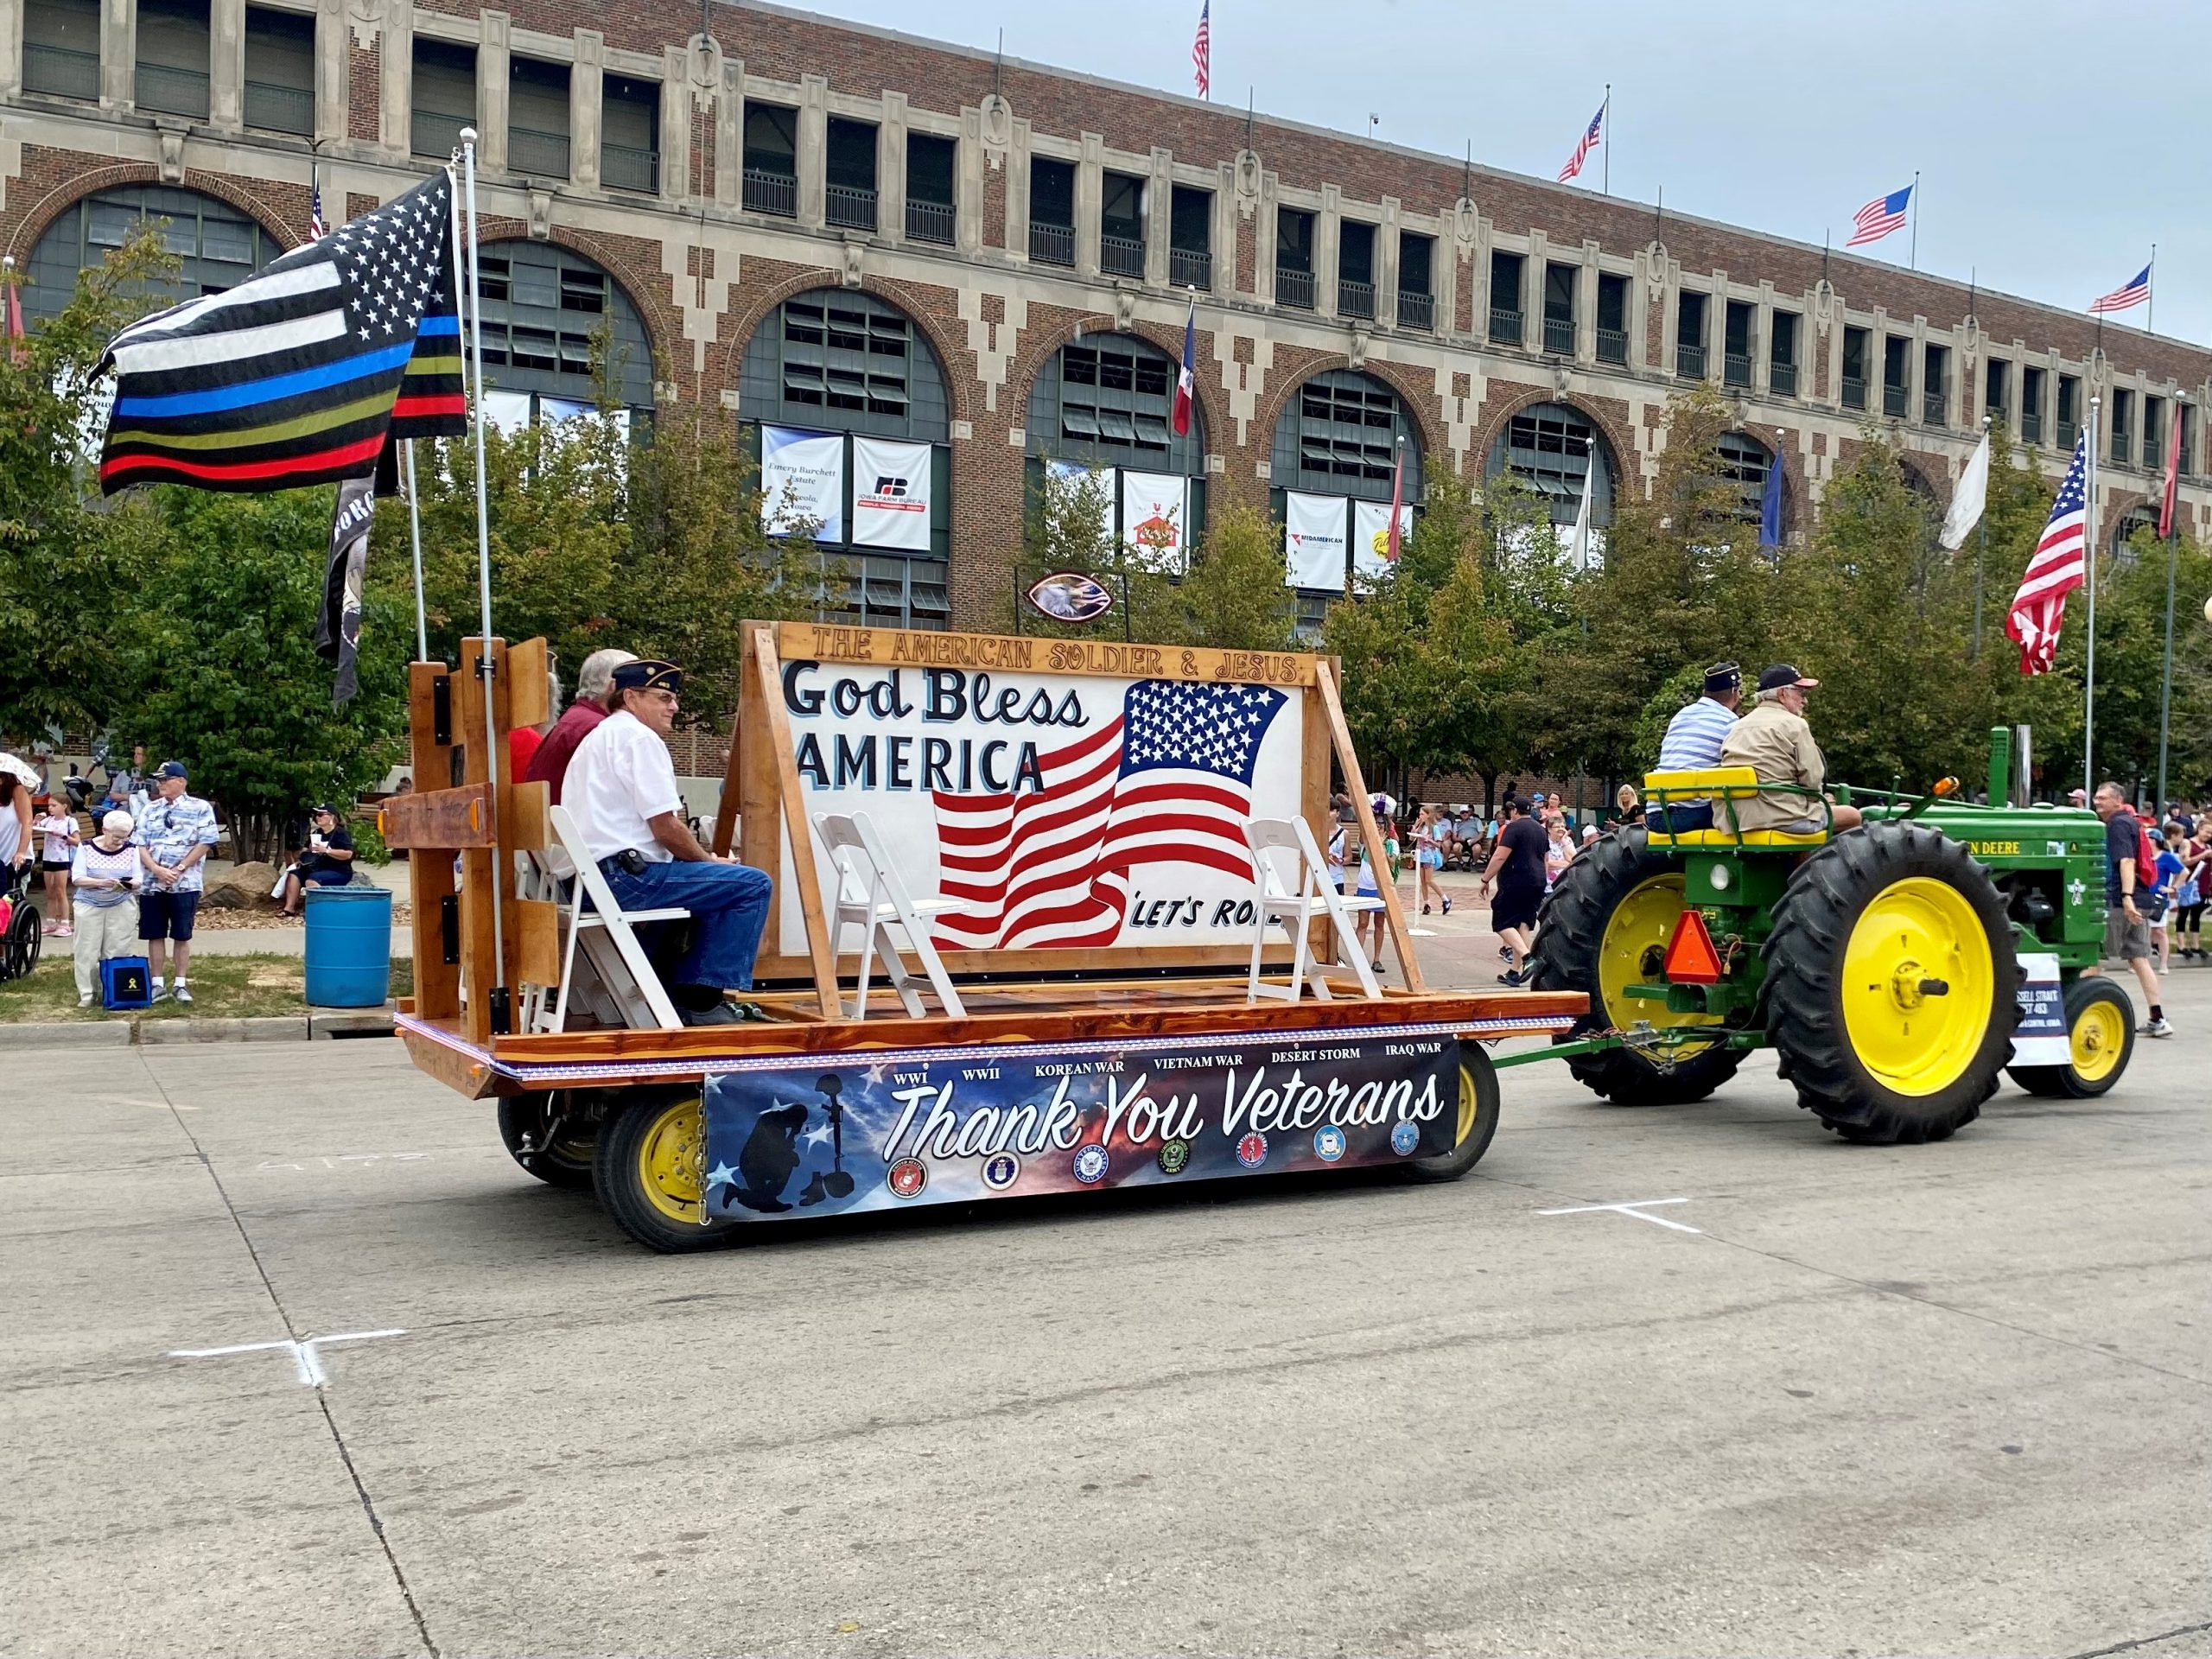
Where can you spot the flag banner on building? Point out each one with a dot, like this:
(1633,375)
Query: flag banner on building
(1187,378)
(1881,217)
(1592,135)
(2171,483)
(1067,473)
(300,373)
(803,483)
(891,494)
(506,412)
(2126,297)
(957,1125)
(1202,50)
(1968,500)
(337,628)
(1772,502)
(1582,544)
(1313,540)
(1370,537)
(2055,570)
(1154,517)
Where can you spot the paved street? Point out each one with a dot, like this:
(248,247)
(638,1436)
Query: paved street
(1949,1399)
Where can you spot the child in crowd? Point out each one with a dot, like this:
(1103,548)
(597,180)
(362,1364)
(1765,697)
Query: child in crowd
(59,829)
(1428,859)
(2165,895)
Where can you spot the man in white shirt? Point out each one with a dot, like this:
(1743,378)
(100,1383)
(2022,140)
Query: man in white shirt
(621,788)
(1693,744)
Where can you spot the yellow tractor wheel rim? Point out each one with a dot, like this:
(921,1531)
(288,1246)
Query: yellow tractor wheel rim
(2099,1038)
(1629,954)
(669,1160)
(1918,986)
(1470,1108)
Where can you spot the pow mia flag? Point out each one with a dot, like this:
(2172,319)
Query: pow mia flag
(337,629)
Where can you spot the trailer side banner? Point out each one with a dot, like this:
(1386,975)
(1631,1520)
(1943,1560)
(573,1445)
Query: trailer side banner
(1021,1121)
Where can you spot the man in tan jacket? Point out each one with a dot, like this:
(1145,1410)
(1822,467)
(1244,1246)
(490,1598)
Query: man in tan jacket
(1775,742)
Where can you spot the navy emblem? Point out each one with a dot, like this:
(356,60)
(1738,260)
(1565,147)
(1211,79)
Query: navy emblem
(1252,1149)
(906,1177)
(1405,1135)
(1001,1171)
(1174,1157)
(1090,1164)
(1328,1143)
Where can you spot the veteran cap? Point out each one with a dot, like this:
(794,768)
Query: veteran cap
(648,674)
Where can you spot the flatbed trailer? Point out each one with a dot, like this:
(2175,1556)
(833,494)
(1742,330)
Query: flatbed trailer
(1155,1049)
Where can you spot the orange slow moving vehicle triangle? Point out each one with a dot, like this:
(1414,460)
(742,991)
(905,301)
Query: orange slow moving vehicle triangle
(1691,959)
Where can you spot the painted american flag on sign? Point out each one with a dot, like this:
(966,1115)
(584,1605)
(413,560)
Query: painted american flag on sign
(1167,781)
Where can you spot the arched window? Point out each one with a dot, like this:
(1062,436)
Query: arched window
(217,246)
(1745,462)
(2123,533)
(1105,403)
(846,375)
(1553,447)
(1337,445)
(543,307)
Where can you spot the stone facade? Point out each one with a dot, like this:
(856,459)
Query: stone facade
(703,272)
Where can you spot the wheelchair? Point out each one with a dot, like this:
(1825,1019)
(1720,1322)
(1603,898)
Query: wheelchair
(24,931)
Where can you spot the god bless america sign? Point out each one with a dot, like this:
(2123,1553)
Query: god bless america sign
(1063,810)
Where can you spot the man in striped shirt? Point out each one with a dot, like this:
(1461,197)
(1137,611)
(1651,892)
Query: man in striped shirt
(1694,738)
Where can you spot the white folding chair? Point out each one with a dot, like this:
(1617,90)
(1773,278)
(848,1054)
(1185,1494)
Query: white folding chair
(605,931)
(870,896)
(1297,907)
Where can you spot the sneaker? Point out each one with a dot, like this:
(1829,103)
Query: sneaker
(1448,906)
(2159,1027)
(159,994)
(1424,910)
(86,1000)
(1513,976)
(182,994)
(721,1014)
(65,932)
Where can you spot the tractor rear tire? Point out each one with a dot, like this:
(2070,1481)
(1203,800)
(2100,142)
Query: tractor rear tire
(551,1136)
(2101,1027)
(648,1169)
(1609,909)
(1890,984)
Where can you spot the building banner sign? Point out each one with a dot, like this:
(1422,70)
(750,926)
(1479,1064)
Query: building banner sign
(1371,537)
(891,494)
(803,482)
(1313,540)
(1066,811)
(1154,513)
(955,1126)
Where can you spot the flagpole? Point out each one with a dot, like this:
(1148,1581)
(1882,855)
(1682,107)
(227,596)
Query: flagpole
(1605,162)
(484,665)
(2150,291)
(1912,259)
(2089,565)
(2166,675)
(1982,551)
(415,535)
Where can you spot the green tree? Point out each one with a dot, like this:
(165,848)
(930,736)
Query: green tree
(1234,596)
(220,661)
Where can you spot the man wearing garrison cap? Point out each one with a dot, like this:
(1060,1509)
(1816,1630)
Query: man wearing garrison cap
(621,788)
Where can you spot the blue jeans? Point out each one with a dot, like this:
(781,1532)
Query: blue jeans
(730,910)
(1676,820)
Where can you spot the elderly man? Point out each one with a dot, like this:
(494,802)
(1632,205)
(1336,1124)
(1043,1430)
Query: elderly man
(1774,740)
(1693,740)
(2127,932)
(549,762)
(172,835)
(621,787)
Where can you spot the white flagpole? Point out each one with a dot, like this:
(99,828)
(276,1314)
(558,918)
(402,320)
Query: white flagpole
(415,535)
(2089,580)
(485,668)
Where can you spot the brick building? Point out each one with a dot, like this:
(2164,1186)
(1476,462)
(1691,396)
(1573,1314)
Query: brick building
(847,231)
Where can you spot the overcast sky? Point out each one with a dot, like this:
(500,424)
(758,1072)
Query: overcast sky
(2048,167)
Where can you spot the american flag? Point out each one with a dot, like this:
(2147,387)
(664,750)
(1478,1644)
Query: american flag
(315,226)
(2124,298)
(2055,570)
(300,373)
(1202,49)
(1167,781)
(1879,217)
(1590,135)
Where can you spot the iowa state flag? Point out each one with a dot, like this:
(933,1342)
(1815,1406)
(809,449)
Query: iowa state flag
(301,373)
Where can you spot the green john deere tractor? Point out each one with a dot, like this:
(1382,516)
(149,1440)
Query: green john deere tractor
(1888,964)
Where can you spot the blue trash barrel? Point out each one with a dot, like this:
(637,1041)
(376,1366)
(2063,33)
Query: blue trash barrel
(349,947)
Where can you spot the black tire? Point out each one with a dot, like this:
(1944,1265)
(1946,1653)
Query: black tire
(660,1217)
(1807,996)
(1570,933)
(552,1136)
(2067,1081)
(1478,1121)
(26,937)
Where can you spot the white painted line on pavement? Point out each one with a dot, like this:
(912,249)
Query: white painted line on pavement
(1636,1209)
(333,1162)
(305,1357)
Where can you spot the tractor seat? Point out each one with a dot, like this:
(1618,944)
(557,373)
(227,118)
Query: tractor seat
(1723,784)
(1733,781)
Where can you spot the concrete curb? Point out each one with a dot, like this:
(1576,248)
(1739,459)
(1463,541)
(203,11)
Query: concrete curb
(124,1032)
